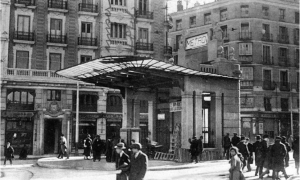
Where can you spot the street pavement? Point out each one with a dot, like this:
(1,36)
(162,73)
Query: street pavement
(159,170)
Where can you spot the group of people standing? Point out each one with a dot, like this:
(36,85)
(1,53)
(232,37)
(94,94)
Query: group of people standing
(95,146)
(267,156)
(196,148)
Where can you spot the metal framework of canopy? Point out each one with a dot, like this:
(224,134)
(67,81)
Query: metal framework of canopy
(131,72)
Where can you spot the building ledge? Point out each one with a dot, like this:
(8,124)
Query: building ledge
(24,6)
(87,13)
(144,52)
(23,42)
(56,44)
(145,20)
(58,10)
(87,47)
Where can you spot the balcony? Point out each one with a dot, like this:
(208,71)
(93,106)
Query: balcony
(296,41)
(245,35)
(268,107)
(168,50)
(88,42)
(284,86)
(58,4)
(267,37)
(57,40)
(283,61)
(244,59)
(91,8)
(24,37)
(268,85)
(144,46)
(284,39)
(24,2)
(144,14)
(246,84)
(267,60)
(86,107)
(225,37)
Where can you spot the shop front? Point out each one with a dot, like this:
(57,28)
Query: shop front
(113,125)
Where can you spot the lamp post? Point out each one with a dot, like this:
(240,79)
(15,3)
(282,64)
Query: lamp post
(77,120)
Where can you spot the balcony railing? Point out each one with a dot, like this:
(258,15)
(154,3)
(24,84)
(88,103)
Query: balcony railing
(52,38)
(296,41)
(144,14)
(284,86)
(225,37)
(87,41)
(88,7)
(25,36)
(268,85)
(25,2)
(246,84)
(57,4)
(283,61)
(245,35)
(267,37)
(245,59)
(32,73)
(284,39)
(144,46)
(168,50)
(267,60)
(86,107)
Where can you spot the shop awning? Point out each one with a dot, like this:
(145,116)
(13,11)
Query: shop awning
(131,72)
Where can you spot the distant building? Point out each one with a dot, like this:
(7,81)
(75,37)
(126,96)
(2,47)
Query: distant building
(265,35)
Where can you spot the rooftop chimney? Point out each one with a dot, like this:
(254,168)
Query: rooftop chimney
(179,5)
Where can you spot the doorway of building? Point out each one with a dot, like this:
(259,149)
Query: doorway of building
(52,133)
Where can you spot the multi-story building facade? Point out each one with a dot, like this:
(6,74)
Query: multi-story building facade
(44,36)
(265,35)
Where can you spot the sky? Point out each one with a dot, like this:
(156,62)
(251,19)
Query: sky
(172,4)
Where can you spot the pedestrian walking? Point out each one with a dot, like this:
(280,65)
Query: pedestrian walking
(8,153)
(194,149)
(288,149)
(122,162)
(115,141)
(278,153)
(235,139)
(226,146)
(138,163)
(250,149)
(108,152)
(63,146)
(259,153)
(132,141)
(290,139)
(23,152)
(87,144)
(243,149)
(295,147)
(236,172)
(268,164)
(97,148)
(200,147)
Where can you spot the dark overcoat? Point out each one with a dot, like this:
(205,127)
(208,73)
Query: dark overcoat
(123,164)
(259,153)
(278,153)
(8,152)
(138,166)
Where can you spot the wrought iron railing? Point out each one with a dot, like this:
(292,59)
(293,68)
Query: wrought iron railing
(25,36)
(144,46)
(284,39)
(53,38)
(267,60)
(87,41)
(25,2)
(246,84)
(245,35)
(93,8)
(284,86)
(267,37)
(283,61)
(58,4)
(268,85)
(144,14)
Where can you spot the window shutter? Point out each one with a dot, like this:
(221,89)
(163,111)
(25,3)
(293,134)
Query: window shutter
(240,49)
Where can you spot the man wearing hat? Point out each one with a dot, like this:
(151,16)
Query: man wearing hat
(235,139)
(194,149)
(139,163)
(122,161)
(278,153)
(97,148)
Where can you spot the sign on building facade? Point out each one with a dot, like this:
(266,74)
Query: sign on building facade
(196,41)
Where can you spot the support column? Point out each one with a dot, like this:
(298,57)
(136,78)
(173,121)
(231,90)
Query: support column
(151,119)
(216,119)
(199,119)
(186,119)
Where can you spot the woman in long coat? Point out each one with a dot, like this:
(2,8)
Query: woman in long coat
(278,153)
(87,147)
(97,148)
(236,172)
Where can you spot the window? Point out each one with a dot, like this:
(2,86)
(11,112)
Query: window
(226,52)
(178,24)
(22,59)
(245,48)
(281,14)
(244,10)
(118,30)
(284,104)
(245,27)
(207,18)
(224,32)
(23,24)
(143,35)
(283,52)
(177,43)
(267,104)
(55,27)
(19,99)
(267,54)
(84,58)
(267,77)
(118,2)
(143,106)
(53,95)
(143,6)
(284,81)
(55,61)
(223,14)
(283,31)
(266,29)
(192,21)
(86,29)
(265,11)
(297,55)
(176,59)
(297,17)
(296,34)
(247,73)
(114,103)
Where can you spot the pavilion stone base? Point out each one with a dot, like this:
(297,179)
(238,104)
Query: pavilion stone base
(130,133)
(208,154)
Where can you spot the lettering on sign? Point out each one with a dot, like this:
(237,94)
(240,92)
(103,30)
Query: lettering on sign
(196,41)
(175,106)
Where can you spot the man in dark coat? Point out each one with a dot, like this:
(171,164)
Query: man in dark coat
(24,152)
(258,151)
(97,148)
(194,149)
(108,152)
(235,139)
(243,149)
(122,161)
(8,153)
(278,153)
(200,147)
(226,145)
(138,163)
